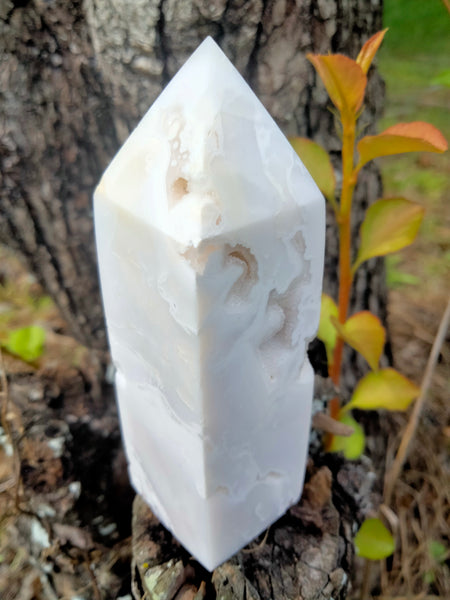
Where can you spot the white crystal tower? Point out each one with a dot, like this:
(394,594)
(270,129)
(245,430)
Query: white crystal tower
(210,237)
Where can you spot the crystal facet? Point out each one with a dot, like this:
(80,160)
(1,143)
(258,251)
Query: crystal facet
(210,237)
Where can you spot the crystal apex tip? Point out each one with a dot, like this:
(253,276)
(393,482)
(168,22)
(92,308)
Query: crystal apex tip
(210,50)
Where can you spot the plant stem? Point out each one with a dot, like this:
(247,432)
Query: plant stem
(344,225)
(348,176)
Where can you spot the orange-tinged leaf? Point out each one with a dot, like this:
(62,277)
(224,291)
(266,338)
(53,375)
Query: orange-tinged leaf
(420,130)
(364,332)
(316,160)
(327,332)
(389,225)
(403,137)
(368,51)
(344,80)
(386,389)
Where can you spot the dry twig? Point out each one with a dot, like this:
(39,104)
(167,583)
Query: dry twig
(396,467)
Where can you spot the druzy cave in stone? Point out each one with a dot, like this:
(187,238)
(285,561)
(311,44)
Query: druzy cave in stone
(210,238)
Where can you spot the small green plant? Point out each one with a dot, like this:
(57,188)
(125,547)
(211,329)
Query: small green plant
(389,225)
(26,342)
(22,307)
(373,540)
(439,554)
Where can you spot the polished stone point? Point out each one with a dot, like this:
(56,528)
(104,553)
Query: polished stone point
(210,237)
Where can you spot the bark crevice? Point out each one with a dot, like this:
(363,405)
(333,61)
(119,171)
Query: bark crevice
(164,50)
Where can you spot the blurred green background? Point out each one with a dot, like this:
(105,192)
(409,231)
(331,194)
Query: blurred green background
(414,61)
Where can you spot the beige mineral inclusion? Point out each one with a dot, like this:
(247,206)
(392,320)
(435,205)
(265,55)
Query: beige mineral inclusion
(210,237)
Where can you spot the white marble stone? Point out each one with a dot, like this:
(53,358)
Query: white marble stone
(210,236)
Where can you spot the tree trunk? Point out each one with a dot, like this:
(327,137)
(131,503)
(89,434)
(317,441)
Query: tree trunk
(305,555)
(76,78)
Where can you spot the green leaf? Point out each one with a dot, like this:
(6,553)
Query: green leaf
(395,277)
(364,332)
(316,160)
(351,446)
(373,540)
(327,331)
(438,551)
(398,278)
(386,389)
(429,577)
(389,225)
(417,136)
(27,342)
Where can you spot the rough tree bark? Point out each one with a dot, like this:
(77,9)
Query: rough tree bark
(75,79)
